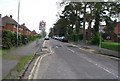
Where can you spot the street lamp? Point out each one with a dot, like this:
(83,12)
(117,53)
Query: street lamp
(18,20)
(100,37)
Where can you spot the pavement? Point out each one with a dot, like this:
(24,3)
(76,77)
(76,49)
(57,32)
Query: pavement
(67,61)
(29,49)
(98,49)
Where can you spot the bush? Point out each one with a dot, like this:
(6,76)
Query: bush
(7,39)
(95,40)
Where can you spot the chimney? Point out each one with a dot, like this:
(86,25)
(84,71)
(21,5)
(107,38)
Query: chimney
(10,16)
(24,24)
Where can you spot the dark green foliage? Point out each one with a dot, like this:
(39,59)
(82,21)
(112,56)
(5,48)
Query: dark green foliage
(75,37)
(95,39)
(9,39)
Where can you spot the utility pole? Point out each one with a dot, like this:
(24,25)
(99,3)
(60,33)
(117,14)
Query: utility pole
(18,20)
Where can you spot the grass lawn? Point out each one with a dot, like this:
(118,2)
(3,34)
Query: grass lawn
(111,46)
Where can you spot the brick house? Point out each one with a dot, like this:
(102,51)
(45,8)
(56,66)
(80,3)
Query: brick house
(117,29)
(117,32)
(112,36)
(88,33)
(9,24)
(24,29)
(33,32)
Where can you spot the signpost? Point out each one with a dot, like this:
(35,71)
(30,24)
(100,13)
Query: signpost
(42,26)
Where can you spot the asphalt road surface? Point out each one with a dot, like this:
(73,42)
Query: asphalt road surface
(69,62)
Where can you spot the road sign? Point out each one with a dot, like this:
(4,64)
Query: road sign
(42,25)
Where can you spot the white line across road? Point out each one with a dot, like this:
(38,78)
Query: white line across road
(71,50)
(93,62)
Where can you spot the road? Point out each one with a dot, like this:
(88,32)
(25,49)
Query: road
(66,61)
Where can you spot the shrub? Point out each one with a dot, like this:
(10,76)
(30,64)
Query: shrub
(95,39)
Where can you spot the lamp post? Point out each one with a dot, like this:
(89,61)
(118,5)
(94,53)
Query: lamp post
(100,37)
(18,20)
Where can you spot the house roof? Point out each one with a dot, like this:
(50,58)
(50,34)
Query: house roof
(8,20)
(24,27)
(33,32)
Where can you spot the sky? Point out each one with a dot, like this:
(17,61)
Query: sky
(31,12)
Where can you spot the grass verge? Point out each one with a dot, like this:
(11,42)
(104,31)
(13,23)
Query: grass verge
(111,46)
(21,65)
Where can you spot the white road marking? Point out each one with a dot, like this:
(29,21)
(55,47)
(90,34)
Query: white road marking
(71,50)
(35,65)
(31,73)
(37,68)
(93,62)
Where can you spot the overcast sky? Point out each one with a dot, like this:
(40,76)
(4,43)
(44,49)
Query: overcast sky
(31,12)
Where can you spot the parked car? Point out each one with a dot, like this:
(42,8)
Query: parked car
(46,38)
(64,39)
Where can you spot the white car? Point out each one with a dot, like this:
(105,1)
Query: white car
(46,38)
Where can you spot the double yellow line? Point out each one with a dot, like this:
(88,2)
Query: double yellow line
(37,64)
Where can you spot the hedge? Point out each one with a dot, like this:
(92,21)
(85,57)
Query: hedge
(9,39)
